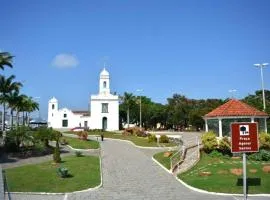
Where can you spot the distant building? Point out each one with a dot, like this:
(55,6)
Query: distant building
(103,113)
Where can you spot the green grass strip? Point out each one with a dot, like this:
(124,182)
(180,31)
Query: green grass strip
(84,171)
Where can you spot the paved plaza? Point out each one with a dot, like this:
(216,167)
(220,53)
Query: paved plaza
(129,173)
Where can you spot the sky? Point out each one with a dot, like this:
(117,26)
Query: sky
(201,49)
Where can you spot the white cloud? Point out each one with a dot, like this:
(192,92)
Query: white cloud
(65,60)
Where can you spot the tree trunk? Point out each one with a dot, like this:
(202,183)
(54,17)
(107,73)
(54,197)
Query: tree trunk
(11,121)
(23,118)
(3,117)
(128,117)
(17,116)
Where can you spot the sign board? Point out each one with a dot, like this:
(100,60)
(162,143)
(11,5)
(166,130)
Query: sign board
(244,137)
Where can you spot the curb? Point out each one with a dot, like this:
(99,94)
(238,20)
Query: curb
(161,166)
(141,146)
(89,150)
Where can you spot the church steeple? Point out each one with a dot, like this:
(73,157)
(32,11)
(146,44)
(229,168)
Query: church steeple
(104,82)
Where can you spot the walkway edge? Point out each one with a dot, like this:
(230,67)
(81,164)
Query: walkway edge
(81,149)
(161,165)
(141,147)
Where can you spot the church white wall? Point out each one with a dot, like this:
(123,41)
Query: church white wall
(74,120)
(112,115)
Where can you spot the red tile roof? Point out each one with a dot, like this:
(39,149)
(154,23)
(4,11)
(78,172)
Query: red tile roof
(235,107)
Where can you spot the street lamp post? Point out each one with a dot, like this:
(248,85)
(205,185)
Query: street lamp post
(140,90)
(261,67)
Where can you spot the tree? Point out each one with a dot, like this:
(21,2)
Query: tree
(255,100)
(7,86)
(14,100)
(28,105)
(56,135)
(128,101)
(5,60)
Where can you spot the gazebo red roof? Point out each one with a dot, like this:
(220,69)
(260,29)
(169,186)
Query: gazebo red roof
(235,108)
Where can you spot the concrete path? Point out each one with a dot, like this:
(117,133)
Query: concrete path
(130,174)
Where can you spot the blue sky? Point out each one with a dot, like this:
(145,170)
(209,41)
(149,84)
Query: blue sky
(200,49)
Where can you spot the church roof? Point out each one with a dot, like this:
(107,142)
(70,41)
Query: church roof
(235,108)
(81,112)
(104,73)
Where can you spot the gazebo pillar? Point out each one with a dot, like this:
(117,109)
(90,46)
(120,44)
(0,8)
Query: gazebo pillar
(206,125)
(265,125)
(220,127)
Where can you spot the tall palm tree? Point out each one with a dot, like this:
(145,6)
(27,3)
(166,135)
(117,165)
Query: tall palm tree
(30,106)
(5,60)
(128,100)
(14,101)
(7,85)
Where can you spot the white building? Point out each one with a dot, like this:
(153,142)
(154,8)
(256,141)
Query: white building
(103,113)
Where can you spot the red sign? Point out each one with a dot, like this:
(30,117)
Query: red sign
(244,137)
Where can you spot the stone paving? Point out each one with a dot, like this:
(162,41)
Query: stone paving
(130,174)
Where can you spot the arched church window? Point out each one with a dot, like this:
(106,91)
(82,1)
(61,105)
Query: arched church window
(53,106)
(104,84)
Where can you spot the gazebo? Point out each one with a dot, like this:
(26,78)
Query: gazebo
(235,110)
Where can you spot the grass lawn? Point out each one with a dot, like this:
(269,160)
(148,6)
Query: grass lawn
(139,141)
(165,161)
(82,144)
(221,178)
(84,171)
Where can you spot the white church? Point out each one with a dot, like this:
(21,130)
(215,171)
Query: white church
(103,113)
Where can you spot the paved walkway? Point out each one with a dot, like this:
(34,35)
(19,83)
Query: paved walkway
(130,174)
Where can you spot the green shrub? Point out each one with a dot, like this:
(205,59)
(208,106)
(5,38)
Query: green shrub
(62,172)
(264,141)
(225,146)
(215,154)
(262,155)
(152,138)
(209,142)
(83,135)
(63,141)
(78,153)
(164,139)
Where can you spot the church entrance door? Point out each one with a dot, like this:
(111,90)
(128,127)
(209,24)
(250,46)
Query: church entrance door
(104,123)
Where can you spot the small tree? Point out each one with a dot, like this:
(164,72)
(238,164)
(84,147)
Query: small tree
(56,135)
(209,142)
(225,146)
(264,141)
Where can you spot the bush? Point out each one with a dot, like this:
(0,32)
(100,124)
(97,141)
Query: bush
(164,139)
(62,172)
(83,135)
(216,154)
(264,141)
(78,153)
(209,142)
(262,155)
(63,141)
(152,138)
(225,146)
(17,138)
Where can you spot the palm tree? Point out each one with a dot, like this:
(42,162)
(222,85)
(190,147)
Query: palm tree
(29,106)
(5,60)
(6,87)
(14,102)
(128,100)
